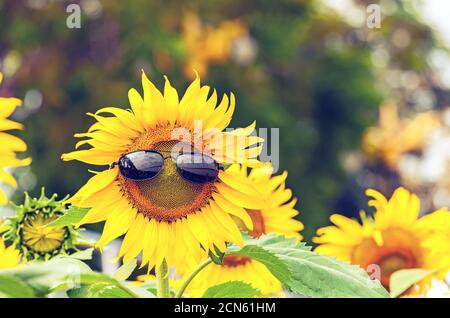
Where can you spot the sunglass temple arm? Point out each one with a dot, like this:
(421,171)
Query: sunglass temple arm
(111,166)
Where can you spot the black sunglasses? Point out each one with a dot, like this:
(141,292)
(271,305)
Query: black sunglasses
(147,164)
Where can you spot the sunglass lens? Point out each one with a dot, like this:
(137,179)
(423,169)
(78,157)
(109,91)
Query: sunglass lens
(197,168)
(141,165)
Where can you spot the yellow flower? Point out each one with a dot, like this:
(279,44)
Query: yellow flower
(393,240)
(278,214)
(168,217)
(9,256)
(208,45)
(9,144)
(393,137)
(276,217)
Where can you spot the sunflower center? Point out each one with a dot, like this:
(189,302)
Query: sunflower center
(259,227)
(235,260)
(400,250)
(40,238)
(168,196)
(393,262)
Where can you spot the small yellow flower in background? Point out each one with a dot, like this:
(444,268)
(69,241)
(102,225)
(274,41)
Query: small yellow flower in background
(168,217)
(10,257)
(396,238)
(208,45)
(9,144)
(276,217)
(394,137)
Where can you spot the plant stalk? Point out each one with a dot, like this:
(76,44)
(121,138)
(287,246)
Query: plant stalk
(162,277)
(191,277)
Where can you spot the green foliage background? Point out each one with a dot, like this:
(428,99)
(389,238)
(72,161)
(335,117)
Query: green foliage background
(313,78)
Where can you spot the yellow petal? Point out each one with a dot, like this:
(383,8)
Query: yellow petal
(153,100)
(126,117)
(117,224)
(233,209)
(8,105)
(3,198)
(7,178)
(151,240)
(91,156)
(132,243)
(171,99)
(12,142)
(100,211)
(7,124)
(239,198)
(137,106)
(98,182)
(236,181)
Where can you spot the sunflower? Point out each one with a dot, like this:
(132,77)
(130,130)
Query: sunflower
(28,230)
(206,45)
(168,218)
(10,257)
(394,137)
(394,239)
(9,144)
(276,217)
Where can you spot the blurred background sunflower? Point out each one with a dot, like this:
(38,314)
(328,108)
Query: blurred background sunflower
(393,240)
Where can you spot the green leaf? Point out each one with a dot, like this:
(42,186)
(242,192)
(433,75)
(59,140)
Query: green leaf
(216,256)
(276,266)
(151,286)
(92,277)
(45,277)
(143,292)
(302,271)
(99,290)
(233,289)
(124,271)
(403,279)
(83,255)
(11,287)
(73,216)
(61,273)
(110,285)
(4,226)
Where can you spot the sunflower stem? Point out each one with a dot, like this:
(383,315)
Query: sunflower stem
(162,276)
(191,277)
